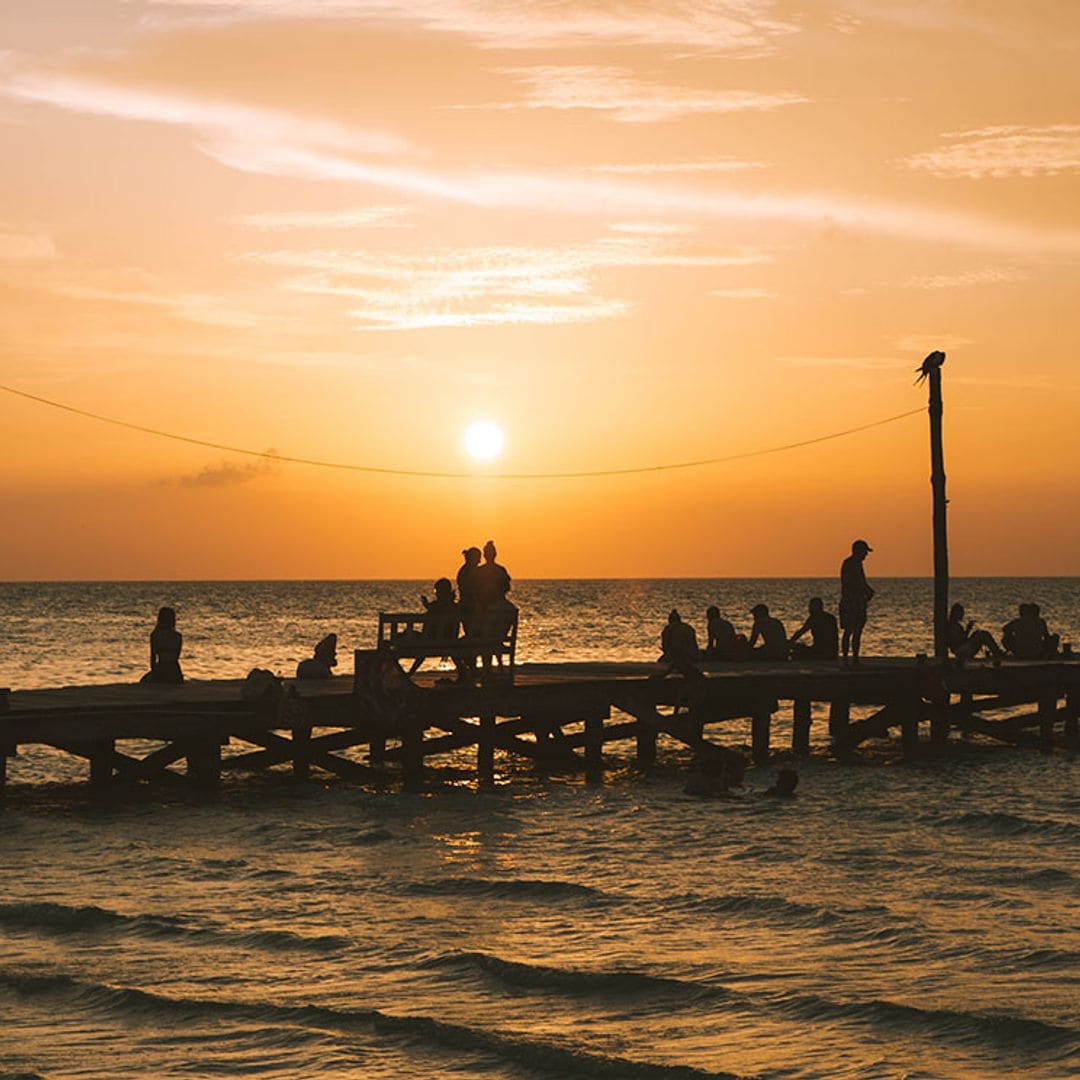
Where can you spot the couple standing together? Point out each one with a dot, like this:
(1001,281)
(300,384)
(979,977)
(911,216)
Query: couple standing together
(482,587)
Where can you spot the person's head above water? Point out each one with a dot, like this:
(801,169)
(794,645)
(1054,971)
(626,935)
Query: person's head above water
(861,548)
(760,611)
(817,605)
(787,780)
(166,619)
(489,551)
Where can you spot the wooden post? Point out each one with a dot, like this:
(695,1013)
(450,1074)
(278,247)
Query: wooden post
(301,763)
(909,707)
(1072,714)
(839,716)
(6,749)
(800,726)
(1047,716)
(646,745)
(204,762)
(377,750)
(760,724)
(594,749)
(412,753)
(939,716)
(100,755)
(931,371)
(485,751)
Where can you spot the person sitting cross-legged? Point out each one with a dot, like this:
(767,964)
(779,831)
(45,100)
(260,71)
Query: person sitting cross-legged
(823,631)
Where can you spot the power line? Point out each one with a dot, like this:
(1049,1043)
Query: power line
(350,467)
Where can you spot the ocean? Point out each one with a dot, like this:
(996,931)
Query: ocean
(893,920)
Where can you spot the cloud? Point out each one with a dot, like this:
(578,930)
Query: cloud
(748,293)
(483,286)
(218,123)
(193,307)
(741,27)
(230,474)
(283,145)
(1004,151)
(18,246)
(985,276)
(628,99)
(363,217)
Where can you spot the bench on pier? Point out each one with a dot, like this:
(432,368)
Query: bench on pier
(416,636)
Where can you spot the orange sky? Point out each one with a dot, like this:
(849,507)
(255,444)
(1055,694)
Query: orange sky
(629,233)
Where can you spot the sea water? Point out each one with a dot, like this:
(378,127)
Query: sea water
(893,920)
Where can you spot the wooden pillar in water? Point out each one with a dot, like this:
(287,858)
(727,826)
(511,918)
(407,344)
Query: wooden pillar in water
(839,717)
(100,755)
(1072,715)
(594,749)
(800,726)
(646,745)
(6,749)
(485,751)
(909,705)
(204,762)
(760,725)
(377,750)
(301,737)
(412,753)
(1047,716)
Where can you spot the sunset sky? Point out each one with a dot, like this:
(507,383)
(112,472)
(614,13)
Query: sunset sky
(628,233)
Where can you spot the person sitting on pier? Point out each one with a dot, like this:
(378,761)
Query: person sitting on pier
(441,615)
(965,642)
(824,636)
(774,642)
(855,597)
(723,642)
(679,648)
(165,645)
(1028,637)
(318,665)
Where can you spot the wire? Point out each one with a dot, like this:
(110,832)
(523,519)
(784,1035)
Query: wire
(580,475)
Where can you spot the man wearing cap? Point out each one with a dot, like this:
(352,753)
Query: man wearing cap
(855,596)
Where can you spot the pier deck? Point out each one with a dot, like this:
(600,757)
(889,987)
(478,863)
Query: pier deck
(555,715)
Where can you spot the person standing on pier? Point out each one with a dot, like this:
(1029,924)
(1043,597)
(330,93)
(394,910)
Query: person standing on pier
(165,645)
(855,597)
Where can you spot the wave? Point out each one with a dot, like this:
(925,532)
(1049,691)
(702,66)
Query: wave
(43,915)
(536,1054)
(507,888)
(998,823)
(777,908)
(574,980)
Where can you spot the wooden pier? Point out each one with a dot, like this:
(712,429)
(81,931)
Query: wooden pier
(558,717)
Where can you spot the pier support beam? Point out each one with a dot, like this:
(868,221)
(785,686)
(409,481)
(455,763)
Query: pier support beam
(594,749)
(1072,715)
(800,726)
(646,746)
(908,708)
(377,751)
(412,753)
(301,762)
(839,718)
(485,751)
(204,762)
(101,761)
(760,725)
(1047,716)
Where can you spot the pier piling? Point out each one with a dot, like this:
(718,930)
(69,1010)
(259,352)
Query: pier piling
(800,726)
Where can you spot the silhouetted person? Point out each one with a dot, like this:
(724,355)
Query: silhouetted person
(441,615)
(723,642)
(774,642)
(965,642)
(714,771)
(496,612)
(1028,637)
(468,583)
(165,645)
(320,663)
(824,635)
(787,780)
(855,597)
(679,648)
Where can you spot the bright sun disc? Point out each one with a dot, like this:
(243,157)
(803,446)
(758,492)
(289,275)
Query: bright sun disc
(484,440)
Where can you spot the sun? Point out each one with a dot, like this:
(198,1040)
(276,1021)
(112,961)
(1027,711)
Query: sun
(484,440)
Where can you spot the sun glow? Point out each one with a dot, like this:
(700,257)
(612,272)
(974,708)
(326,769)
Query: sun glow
(484,440)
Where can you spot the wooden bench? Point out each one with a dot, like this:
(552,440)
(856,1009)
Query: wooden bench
(403,635)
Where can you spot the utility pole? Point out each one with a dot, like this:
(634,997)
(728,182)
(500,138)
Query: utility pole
(931,372)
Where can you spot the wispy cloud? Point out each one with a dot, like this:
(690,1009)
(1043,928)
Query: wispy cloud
(230,474)
(984,276)
(192,307)
(17,246)
(363,217)
(1004,151)
(485,285)
(629,99)
(742,27)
